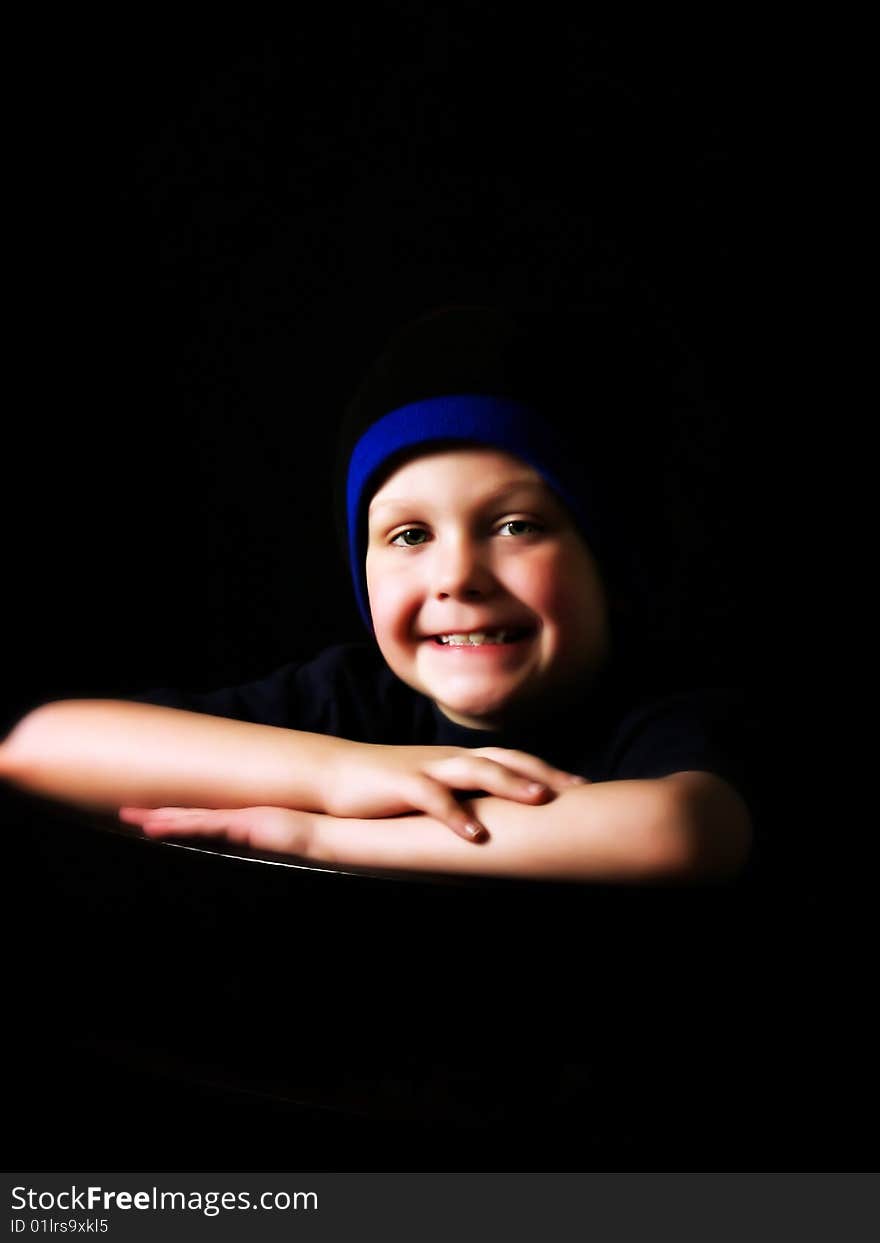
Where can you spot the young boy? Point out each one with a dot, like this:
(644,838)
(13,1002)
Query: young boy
(486,569)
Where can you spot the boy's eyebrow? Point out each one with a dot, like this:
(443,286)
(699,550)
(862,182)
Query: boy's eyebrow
(516,486)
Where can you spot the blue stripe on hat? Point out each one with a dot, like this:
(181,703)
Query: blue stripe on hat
(496,422)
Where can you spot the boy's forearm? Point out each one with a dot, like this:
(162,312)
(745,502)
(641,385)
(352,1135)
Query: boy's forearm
(102,754)
(635,830)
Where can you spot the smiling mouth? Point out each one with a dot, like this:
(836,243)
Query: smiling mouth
(502,637)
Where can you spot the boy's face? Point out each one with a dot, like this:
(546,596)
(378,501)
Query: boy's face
(469,539)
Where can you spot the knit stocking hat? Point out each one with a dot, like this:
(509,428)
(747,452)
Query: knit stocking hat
(549,388)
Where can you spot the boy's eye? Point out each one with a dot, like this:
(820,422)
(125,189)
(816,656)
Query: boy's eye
(511,522)
(520,522)
(408,531)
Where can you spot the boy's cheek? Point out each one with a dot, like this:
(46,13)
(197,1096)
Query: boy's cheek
(577,619)
(394,618)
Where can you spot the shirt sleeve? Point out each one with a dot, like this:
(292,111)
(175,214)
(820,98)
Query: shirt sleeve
(271,700)
(345,691)
(715,730)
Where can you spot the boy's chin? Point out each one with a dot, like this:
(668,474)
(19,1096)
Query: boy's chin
(523,705)
(481,713)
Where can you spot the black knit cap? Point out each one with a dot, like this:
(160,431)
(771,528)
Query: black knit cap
(586,374)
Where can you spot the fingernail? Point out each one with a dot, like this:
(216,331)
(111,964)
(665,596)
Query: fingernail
(535,787)
(476,831)
(575,780)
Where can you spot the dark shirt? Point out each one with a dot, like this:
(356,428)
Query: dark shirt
(616,733)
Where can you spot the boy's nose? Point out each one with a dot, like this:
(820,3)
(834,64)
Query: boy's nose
(461,570)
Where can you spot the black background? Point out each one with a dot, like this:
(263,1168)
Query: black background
(220,229)
(216,229)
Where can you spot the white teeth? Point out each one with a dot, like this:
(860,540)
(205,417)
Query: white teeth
(475,638)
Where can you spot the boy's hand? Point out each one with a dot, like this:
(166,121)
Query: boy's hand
(277,829)
(368,781)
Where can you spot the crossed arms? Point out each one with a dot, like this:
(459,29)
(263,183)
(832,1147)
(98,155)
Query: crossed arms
(335,801)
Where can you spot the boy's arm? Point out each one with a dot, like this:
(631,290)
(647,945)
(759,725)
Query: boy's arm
(690,825)
(100,754)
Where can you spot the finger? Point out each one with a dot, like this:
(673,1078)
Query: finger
(262,828)
(471,772)
(438,801)
(188,822)
(134,815)
(534,768)
(157,820)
